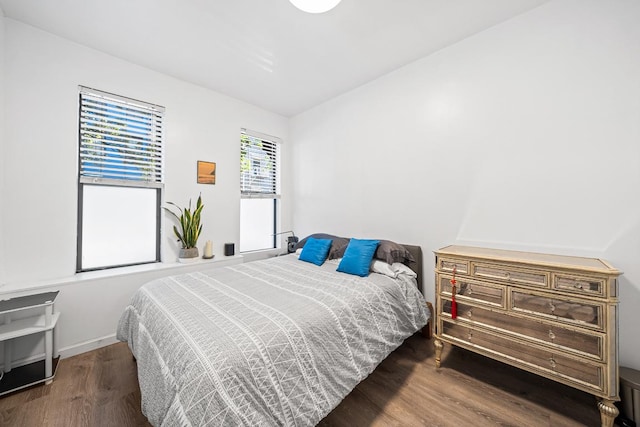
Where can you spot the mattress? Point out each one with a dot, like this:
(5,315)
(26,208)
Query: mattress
(272,342)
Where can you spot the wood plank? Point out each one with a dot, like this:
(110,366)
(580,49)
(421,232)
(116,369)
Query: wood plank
(100,388)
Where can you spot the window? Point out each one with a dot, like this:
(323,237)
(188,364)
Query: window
(120,177)
(260,191)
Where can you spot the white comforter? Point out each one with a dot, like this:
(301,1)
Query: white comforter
(273,342)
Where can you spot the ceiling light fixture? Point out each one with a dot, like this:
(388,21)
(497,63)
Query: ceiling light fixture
(315,6)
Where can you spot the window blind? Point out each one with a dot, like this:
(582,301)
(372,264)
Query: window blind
(258,167)
(120,140)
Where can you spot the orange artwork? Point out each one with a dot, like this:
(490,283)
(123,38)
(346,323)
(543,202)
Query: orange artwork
(206,172)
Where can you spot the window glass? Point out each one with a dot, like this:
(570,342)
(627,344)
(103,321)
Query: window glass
(257,218)
(111,233)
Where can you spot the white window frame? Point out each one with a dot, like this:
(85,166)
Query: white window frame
(256,185)
(108,124)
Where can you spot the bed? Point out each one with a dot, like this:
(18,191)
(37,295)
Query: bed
(272,342)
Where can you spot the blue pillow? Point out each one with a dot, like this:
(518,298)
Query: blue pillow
(357,258)
(315,251)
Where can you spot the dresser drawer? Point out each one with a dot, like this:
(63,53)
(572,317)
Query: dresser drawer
(511,274)
(548,362)
(479,292)
(578,342)
(575,312)
(578,284)
(447,264)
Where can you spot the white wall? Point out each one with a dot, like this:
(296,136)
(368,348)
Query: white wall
(42,74)
(525,136)
(2,155)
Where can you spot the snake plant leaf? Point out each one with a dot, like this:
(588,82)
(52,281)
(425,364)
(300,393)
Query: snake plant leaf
(180,239)
(190,226)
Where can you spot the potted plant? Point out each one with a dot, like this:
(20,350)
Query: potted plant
(190,228)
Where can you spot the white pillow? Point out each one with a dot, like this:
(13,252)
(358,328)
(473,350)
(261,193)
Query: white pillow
(391,270)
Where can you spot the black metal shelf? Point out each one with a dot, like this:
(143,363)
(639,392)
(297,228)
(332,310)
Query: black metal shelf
(26,376)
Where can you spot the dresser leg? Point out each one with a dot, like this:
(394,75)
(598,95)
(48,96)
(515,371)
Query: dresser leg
(608,412)
(438,345)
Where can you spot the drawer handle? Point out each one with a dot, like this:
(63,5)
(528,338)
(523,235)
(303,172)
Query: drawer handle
(507,275)
(552,307)
(552,336)
(578,285)
(469,313)
(470,335)
(552,362)
(469,290)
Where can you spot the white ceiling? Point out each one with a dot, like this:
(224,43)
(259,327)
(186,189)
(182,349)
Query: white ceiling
(267,52)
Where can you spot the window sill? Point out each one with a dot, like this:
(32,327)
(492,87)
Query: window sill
(261,254)
(170,267)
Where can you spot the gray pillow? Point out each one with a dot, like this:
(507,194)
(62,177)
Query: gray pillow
(338,247)
(391,252)
(338,244)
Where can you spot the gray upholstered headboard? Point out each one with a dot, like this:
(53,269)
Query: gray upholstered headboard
(416,251)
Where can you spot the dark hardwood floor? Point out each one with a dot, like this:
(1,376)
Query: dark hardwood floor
(100,388)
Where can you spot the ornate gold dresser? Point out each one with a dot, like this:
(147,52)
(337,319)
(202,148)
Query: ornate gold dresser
(556,316)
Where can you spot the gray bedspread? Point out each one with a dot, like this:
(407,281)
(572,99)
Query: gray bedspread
(266,343)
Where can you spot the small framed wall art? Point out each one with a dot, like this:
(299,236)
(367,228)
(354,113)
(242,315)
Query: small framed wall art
(206,172)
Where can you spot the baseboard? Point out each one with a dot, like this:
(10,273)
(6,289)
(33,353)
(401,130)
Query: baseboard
(89,345)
